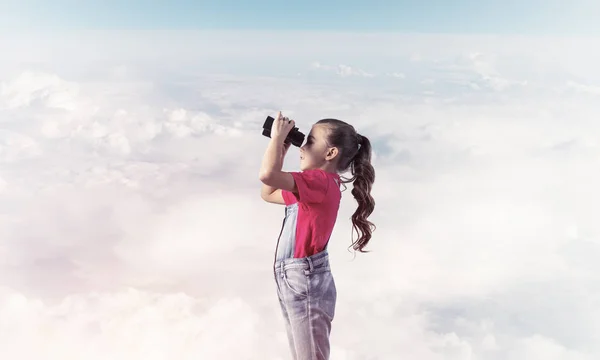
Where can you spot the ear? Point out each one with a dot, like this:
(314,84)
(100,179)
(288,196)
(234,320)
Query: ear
(331,153)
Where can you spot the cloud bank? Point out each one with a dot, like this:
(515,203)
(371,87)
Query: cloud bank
(131,224)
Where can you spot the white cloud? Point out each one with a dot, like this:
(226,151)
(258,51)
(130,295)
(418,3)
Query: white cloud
(49,89)
(589,89)
(181,124)
(138,171)
(397,75)
(15,147)
(479,71)
(490,75)
(539,347)
(342,70)
(132,324)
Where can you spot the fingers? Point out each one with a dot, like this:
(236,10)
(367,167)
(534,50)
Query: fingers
(286,120)
(282,118)
(282,125)
(289,122)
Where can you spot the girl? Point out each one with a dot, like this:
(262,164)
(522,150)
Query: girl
(305,285)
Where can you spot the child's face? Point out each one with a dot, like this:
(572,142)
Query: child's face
(312,153)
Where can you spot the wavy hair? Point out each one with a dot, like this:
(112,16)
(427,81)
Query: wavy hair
(355,156)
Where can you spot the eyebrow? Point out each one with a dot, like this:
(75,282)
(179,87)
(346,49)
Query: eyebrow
(311,137)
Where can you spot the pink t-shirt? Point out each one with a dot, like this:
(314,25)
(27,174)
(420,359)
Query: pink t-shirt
(318,201)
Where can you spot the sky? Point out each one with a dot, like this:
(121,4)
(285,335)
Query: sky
(540,17)
(131,224)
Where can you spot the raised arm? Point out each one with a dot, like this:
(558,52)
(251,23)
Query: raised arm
(271,175)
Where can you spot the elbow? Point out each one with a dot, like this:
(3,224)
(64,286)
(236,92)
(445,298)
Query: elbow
(264,196)
(265,177)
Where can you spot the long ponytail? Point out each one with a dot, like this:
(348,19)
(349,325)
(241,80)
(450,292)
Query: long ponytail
(364,177)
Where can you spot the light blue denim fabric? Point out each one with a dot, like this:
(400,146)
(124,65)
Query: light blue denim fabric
(287,238)
(307,294)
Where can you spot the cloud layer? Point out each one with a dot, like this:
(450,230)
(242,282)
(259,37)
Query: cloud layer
(131,225)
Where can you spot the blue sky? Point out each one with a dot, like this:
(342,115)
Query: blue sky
(554,17)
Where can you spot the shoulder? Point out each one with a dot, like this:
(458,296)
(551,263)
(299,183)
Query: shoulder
(314,178)
(312,185)
(313,174)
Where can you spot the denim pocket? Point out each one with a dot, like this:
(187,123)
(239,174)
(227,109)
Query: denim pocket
(296,282)
(322,287)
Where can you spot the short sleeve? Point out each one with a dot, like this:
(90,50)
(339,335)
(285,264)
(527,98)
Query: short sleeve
(312,186)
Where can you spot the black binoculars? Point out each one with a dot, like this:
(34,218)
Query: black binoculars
(295,137)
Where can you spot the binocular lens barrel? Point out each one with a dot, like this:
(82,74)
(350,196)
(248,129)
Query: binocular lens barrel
(295,136)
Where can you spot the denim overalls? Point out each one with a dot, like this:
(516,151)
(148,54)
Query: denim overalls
(306,292)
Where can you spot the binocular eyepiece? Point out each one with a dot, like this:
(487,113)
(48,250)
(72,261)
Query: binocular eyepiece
(295,137)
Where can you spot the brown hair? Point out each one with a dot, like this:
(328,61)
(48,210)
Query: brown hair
(355,155)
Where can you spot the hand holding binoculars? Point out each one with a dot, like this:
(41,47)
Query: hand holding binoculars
(295,137)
